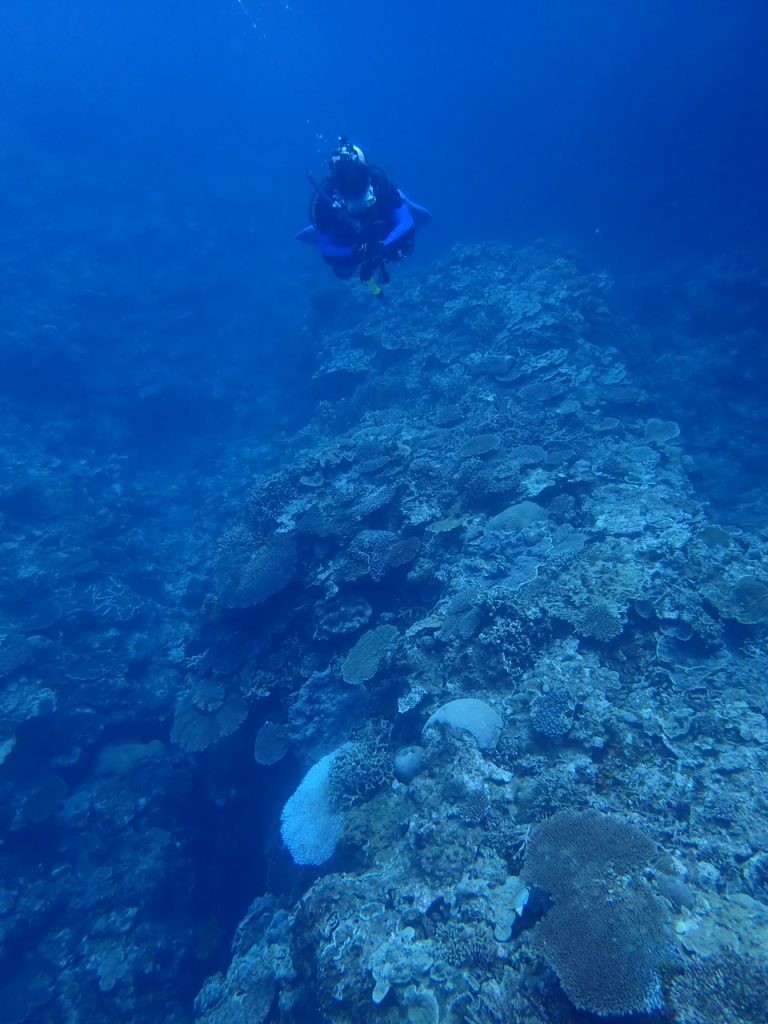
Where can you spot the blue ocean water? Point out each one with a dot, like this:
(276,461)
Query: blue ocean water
(259,527)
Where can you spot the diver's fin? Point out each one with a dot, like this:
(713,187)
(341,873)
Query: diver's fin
(376,290)
(308,234)
(420,214)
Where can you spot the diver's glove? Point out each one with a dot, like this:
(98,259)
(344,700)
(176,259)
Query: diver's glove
(369,252)
(370,255)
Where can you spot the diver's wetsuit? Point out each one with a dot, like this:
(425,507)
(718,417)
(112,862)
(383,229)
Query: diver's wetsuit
(388,220)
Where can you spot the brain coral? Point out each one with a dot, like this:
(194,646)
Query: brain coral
(470,715)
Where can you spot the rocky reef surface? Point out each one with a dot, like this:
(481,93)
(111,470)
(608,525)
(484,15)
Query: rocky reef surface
(493,660)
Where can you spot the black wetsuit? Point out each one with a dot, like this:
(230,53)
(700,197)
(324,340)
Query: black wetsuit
(345,233)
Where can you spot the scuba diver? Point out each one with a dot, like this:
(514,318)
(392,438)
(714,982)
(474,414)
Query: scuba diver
(360,221)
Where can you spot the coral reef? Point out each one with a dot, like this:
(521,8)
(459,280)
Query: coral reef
(491,638)
(725,988)
(607,935)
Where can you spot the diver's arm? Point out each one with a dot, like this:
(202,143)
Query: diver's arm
(403,224)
